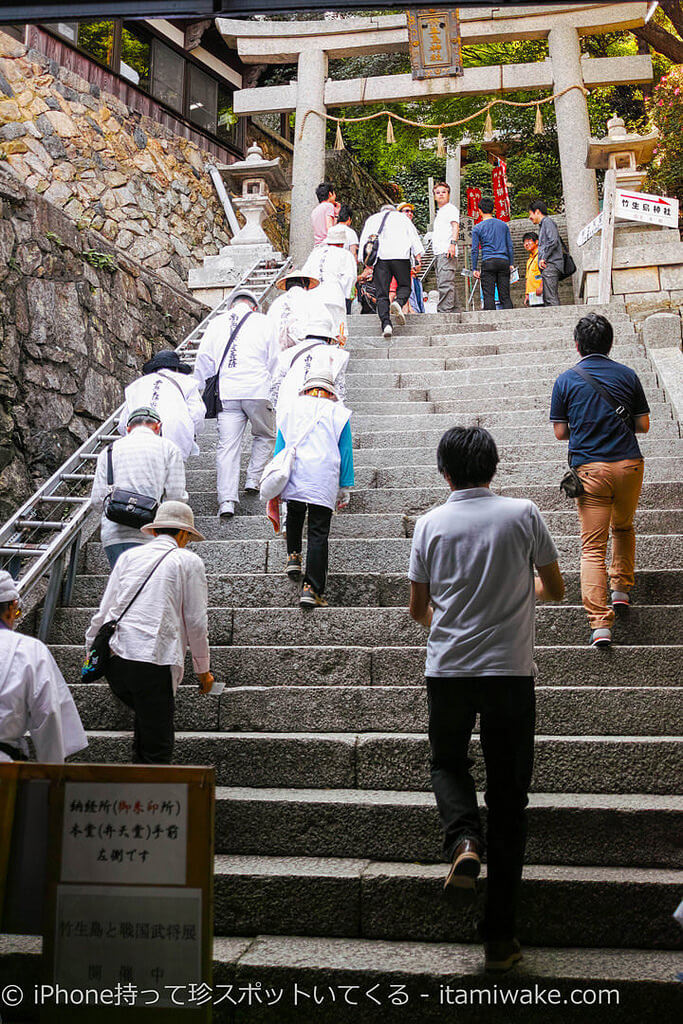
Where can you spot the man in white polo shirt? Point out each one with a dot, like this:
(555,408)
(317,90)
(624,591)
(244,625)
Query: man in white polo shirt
(444,245)
(473,586)
(398,240)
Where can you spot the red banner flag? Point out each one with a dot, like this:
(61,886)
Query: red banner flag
(473,197)
(501,196)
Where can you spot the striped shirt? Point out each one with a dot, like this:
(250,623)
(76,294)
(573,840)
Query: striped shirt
(145,463)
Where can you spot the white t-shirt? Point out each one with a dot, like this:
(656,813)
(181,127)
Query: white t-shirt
(351,236)
(442,235)
(398,240)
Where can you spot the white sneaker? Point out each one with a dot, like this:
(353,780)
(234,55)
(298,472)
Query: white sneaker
(226,510)
(388,331)
(397,313)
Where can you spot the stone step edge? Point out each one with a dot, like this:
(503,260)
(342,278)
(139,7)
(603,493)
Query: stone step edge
(406,798)
(307,867)
(309,956)
(344,737)
(269,609)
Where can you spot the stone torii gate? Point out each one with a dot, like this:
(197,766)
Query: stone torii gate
(310,44)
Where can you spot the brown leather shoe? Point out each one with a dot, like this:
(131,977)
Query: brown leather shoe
(502,955)
(465,867)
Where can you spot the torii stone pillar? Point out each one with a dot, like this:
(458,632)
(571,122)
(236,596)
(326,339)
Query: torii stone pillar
(579,184)
(308,167)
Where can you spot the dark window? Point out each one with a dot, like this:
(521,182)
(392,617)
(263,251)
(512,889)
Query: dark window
(228,121)
(96,38)
(136,54)
(168,75)
(66,29)
(16,31)
(202,99)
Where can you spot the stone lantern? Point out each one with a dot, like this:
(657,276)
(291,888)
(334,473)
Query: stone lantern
(256,176)
(623,153)
(252,178)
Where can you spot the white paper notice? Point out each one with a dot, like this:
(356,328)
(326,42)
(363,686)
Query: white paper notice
(147,939)
(128,832)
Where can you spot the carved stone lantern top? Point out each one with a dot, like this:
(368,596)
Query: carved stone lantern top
(254,174)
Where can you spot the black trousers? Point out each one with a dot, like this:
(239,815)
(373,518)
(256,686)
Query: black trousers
(319,519)
(507,715)
(382,274)
(496,272)
(148,690)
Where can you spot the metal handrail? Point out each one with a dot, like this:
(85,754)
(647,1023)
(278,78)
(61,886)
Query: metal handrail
(59,534)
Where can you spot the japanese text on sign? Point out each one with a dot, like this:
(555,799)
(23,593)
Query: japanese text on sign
(434,43)
(650,209)
(119,833)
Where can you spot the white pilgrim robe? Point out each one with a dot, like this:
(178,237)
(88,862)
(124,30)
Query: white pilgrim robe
(176,398)
(34,698)
(305,359)
(336,269)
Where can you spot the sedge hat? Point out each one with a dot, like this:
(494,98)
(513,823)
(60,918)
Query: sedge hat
(8,587)
(336,235)
(174,515)
(297,275)
(144,412)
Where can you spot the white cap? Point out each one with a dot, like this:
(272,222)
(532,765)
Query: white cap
(243,294)
(319,378)
(321,324)
(336,235)
(8,587)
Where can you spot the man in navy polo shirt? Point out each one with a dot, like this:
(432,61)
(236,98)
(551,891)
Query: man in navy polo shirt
(606,455)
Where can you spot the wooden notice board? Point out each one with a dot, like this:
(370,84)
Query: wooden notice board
(113,866)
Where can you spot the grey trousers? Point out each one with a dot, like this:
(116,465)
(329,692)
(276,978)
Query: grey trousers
(551,282)
(232,422)
(445,280)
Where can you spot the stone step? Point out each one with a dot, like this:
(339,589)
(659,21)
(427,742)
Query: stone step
(414,377)
(427,475)
(423,454)
(478,350)
(457,404)
(564,828)
(374,555)
(548,497)
(414,435)
(528,422)
(558,665)
(396,524)
(293,970)
(389,900)
(443,359)
(613,764)
(274,590)
(587,710)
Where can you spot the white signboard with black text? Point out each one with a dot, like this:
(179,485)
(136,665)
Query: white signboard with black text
(647,208)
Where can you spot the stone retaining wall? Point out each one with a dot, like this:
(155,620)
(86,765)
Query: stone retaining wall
(109,168)
(77,320)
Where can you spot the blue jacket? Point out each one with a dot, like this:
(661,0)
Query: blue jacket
(495,240)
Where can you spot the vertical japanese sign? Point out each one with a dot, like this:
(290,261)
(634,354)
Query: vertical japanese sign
(473,199)
(501,195)
(118,860)
(434,42)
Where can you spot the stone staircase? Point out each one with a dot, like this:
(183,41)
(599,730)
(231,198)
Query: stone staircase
(328,865)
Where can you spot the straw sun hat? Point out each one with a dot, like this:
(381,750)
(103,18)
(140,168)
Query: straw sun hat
(174,515)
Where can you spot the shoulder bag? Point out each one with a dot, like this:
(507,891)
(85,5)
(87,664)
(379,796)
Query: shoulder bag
(571,483)
(127,507)
(100,652)
(275,476)
(568,265)
(371,247)
(211,395)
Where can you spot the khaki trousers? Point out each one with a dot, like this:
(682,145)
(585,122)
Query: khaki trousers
(612,492)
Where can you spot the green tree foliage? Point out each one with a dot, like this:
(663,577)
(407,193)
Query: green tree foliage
(666,110)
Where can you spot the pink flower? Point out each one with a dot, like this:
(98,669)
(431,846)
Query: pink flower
(660,103)
(676,91)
